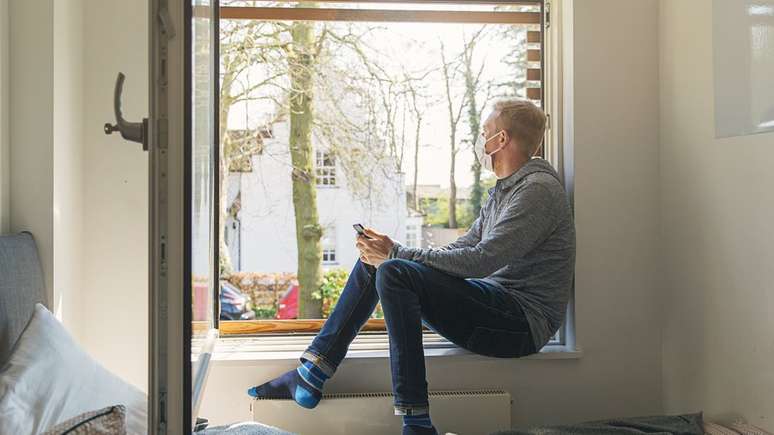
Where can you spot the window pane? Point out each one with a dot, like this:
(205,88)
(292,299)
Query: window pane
(385,112)
(202,171)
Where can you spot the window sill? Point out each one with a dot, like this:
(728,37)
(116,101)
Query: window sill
(246,350)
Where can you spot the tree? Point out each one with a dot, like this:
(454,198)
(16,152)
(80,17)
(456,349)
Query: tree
(416,111)
(450,70)
(474,85)
(312,103)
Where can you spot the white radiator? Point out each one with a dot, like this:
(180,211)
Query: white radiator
(458,412)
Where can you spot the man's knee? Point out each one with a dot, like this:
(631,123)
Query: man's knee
(392,266)
(391,271)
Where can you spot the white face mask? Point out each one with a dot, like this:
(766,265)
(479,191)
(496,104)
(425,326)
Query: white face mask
(484,158)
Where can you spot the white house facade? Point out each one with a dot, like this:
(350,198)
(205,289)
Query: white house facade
(262,237)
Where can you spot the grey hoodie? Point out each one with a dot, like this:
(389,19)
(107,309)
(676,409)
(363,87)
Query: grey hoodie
(523,241)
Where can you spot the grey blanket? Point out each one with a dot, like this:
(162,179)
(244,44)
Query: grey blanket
(247,428)
(688,424)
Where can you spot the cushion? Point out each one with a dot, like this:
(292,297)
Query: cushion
(50,379)
(105,421)
(687,424)
(717,429)
(748,429)
(21,287)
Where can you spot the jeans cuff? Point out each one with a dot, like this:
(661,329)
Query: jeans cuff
(412,409)
(319,361)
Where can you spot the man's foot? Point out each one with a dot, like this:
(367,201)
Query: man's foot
(418,425)
(303,384)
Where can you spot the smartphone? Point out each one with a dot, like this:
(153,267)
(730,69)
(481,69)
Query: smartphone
(360,230)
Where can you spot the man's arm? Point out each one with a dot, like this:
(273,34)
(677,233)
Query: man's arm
(525,223)
(470,238)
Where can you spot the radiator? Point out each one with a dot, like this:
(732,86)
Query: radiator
(458,412)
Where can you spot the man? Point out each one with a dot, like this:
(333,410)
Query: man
(499,290)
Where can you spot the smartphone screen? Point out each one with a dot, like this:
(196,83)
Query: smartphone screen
(360,230)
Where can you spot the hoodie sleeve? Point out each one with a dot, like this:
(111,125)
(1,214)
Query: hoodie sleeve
(471,238)
(524,223)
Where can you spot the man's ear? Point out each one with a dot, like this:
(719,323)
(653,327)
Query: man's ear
(505,137)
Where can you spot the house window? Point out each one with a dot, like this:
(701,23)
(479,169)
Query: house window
(413,236)
(325,168)
(329,246)
(329,256)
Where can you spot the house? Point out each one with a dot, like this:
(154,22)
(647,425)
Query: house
(265,215)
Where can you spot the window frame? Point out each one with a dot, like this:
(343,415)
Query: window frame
(416,232)
(329,245)
(554,150)
(323,171)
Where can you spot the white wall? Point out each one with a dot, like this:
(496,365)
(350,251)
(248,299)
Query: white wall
(5,167)
(716,231)
(115,197)
(617,211)
(82,194)
(31,118)
(68,155)
(41,159)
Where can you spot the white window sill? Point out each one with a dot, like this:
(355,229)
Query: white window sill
(241,350)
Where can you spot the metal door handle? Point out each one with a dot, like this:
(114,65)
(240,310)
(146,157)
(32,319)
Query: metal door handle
(133,131)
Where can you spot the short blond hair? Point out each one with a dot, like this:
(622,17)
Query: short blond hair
(523,121)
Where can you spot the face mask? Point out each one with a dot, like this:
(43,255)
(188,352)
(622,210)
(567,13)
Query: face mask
(484,158)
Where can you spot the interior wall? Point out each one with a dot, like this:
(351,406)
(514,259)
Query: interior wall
(716,219)
(41,139)
(82,194)
(5,168)
(616,123)
(68,156)
(31,69)
(115,199)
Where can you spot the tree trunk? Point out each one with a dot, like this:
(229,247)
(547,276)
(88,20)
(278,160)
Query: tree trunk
(452,140)
(226,267)
(308,231)
(452,182)
(416,162)
(474,120)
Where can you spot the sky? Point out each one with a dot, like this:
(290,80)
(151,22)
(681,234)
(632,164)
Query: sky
(416,46)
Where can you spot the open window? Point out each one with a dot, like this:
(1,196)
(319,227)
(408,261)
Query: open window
(379,99)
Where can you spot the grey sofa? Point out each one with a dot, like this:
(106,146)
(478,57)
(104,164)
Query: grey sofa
(21,287)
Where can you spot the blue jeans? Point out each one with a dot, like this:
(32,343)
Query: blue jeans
(471,313)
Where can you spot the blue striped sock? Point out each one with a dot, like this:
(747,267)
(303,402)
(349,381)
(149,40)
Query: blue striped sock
(312,374)
(303,384)
(422,420)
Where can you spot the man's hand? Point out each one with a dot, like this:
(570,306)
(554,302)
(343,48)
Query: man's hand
(376,250)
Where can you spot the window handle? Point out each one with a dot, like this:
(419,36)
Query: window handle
(132,131)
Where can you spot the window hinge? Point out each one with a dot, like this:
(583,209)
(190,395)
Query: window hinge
(548,121)
(548,14)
